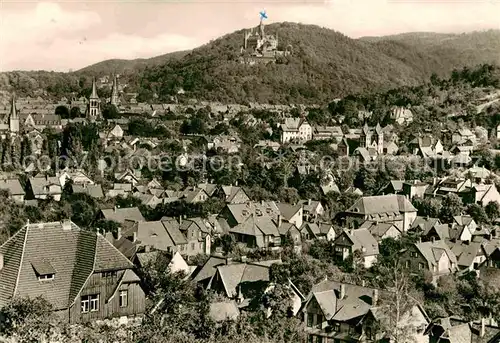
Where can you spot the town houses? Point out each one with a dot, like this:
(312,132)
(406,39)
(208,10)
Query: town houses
(261,208)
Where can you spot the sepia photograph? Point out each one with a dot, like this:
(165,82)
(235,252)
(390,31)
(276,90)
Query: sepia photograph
(236,171)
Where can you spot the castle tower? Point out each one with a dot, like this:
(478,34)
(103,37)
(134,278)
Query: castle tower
(261,29)
(13,117)
(115,100)
(94,111)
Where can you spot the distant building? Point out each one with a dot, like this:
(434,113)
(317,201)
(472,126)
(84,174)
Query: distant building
(295,130)
(259,47)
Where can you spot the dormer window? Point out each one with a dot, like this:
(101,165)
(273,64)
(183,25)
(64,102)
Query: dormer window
(44,271)
(109,274)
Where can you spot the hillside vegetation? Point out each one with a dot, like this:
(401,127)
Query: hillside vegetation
(325,65)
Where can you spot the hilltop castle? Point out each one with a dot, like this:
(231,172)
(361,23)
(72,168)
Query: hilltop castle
(261,48)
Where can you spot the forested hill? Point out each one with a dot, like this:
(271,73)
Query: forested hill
(325,65)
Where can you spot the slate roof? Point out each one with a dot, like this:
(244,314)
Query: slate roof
(432,251)
(94,191)
(12,185)
(287,211)
(39,185)
(382,204)
(209,268)
(233,275)
(63,248)
(356,302)
(121,215)
(377,229)
(424,224)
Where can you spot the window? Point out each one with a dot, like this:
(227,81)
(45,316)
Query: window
(319,321)
(192,246)
(407,264)
(310,320)
(336,327)
(46,277)
(420,266)
(201,246)
(124,298)
(112,273)
(90,303)
(369,333)
(182,247)
(414,254)
(319,339)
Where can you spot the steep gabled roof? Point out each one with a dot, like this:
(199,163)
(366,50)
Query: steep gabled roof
(382,204)
(62,249)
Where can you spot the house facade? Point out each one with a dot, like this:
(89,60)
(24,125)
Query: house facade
(78,272)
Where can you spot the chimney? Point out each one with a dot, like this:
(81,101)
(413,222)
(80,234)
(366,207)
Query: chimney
(66,225)
(180,220)
(433,239)
(243,259)
(134,239)
(279,220)
(119,232)
(229,260)
(342,291)
(1,261)
(375,297)
(115,208)
(483,328)
(309,202)
(147,248)
(362,283)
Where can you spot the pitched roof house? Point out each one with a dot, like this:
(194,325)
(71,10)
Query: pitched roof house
(77,271)
(334,310)
(435,257)
(43,187)
(350,241)
(123,215)
(395,209)
(13,186)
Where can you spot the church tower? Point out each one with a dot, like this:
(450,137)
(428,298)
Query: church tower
(13,117)
(115,100)
(94,111)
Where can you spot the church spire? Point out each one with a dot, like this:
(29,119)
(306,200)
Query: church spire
(13,117)
(94,90)
(13,110)
(114,91)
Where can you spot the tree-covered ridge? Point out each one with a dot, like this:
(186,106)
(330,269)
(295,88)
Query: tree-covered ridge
(325,65)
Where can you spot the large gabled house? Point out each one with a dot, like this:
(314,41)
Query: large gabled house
(339,312)
(44,187)
(295,130)
(231,194)
(78,272)
(434,257)
(396,209)
(246,282)
(122,215)
(253,224)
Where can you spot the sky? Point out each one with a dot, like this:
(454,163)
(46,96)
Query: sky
(71,34)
